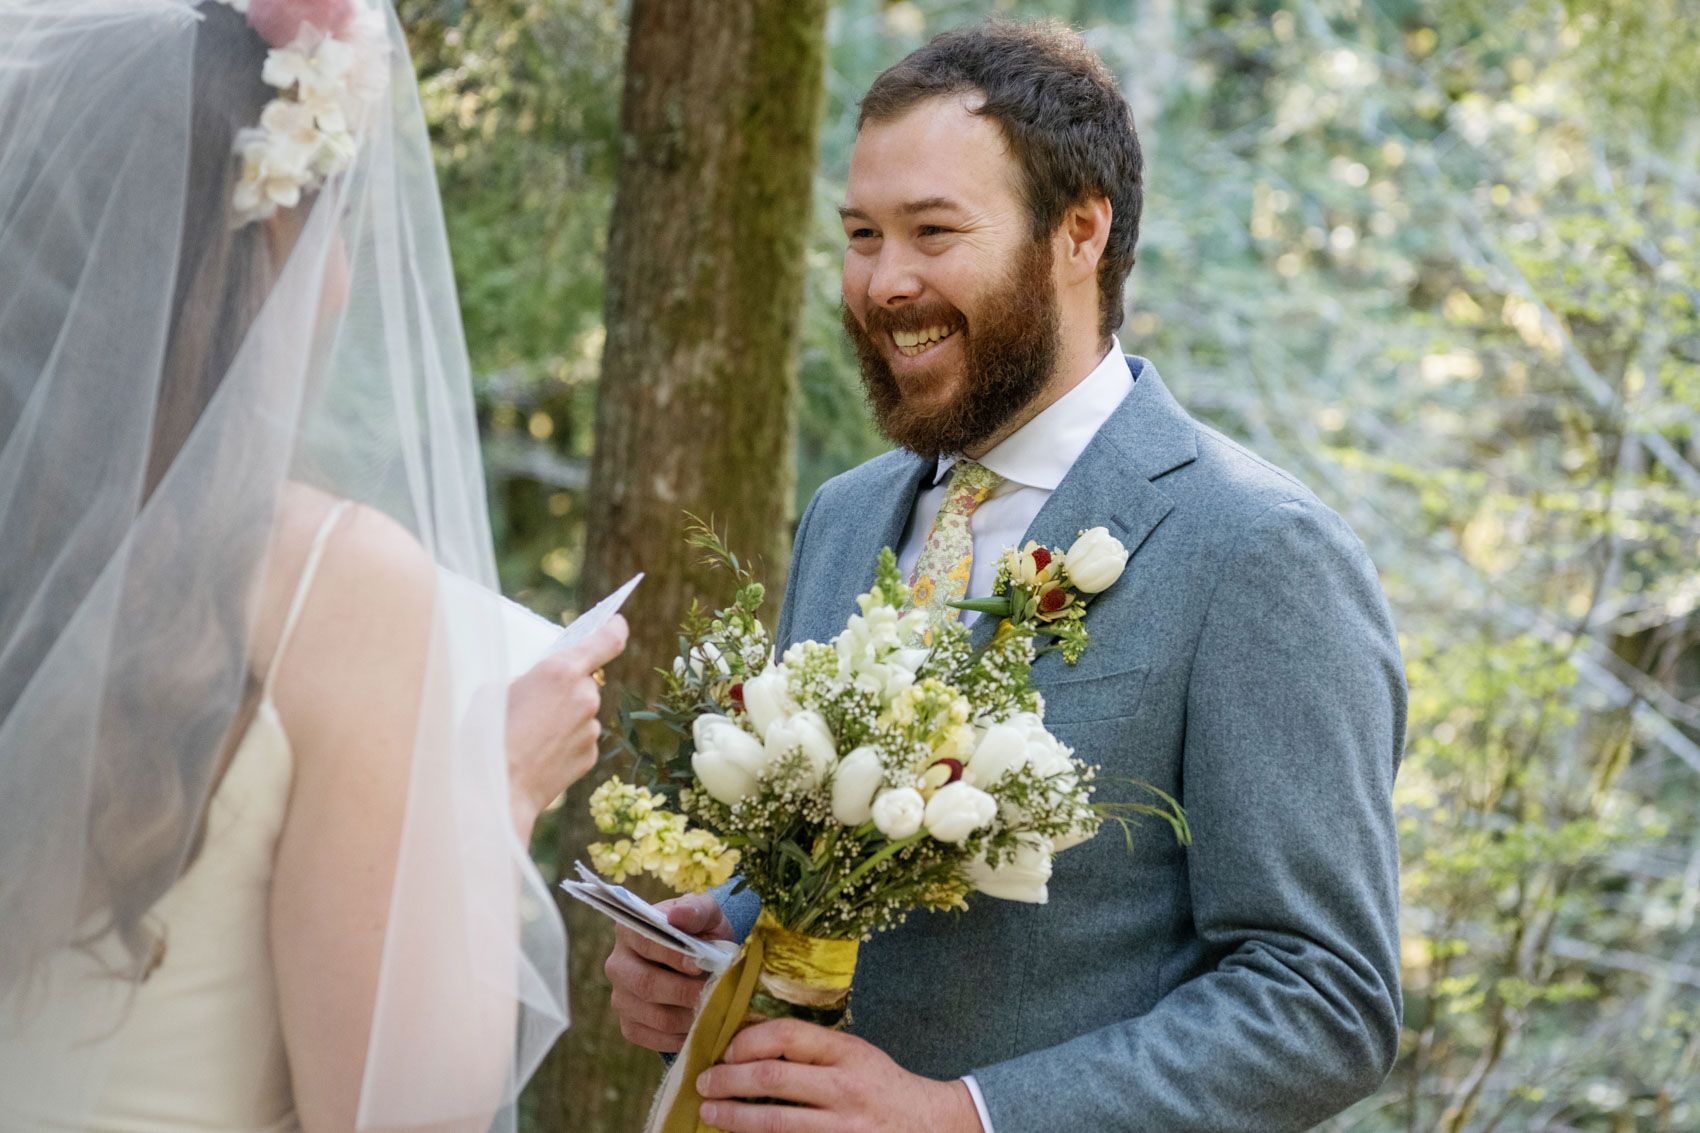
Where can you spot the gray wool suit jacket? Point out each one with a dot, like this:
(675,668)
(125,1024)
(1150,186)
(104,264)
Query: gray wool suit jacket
(1246,664)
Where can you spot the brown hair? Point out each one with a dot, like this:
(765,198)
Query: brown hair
(145,827)
(1066,122)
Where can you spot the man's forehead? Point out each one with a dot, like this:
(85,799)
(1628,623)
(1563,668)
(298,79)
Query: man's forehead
(910,207)
(939,156)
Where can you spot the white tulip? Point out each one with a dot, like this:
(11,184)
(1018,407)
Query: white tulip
(1073,838)
(807,732)
(956,810)
(897,813)
(1022,877)
(767,698)
(858,776)
(728,760)
(1095,561)
(1048,755)
(1001,750)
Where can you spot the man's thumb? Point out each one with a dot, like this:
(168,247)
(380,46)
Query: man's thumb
(693,913)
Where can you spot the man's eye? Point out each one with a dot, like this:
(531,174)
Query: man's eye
(861,233)
(933,230)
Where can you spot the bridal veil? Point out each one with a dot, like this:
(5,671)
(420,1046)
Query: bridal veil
(185,327)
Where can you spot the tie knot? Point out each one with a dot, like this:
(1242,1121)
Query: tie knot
(970,483)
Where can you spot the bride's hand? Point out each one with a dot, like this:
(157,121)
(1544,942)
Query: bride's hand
(553,725)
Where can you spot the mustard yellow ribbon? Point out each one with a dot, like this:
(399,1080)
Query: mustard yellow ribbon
(811,962)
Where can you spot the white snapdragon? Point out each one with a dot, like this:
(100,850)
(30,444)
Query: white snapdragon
(1095,561)
(858,776)
(956,810)
(1022,876)
(728,760)
(897,812)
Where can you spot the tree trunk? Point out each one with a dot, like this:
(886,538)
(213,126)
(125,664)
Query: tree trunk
(712,209)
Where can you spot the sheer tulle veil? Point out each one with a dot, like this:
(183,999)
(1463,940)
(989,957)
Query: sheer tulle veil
(165,371)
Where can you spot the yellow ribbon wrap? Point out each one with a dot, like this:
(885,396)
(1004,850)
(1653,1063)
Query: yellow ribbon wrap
(799,969)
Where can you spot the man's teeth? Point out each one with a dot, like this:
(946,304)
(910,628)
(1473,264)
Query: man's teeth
(913,342)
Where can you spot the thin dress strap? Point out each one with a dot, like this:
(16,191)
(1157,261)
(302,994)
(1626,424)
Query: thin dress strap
(316,553)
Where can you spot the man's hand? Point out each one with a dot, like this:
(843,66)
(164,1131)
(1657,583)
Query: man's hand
(656,989)
(842,1085)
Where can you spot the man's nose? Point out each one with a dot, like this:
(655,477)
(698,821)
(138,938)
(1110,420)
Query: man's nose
(895,280)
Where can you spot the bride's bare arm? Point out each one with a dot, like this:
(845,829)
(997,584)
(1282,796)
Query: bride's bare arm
(349,692)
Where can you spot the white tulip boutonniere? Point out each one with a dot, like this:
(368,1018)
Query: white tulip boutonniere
(1047,588)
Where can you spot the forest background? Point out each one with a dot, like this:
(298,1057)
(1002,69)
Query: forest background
(1439,258)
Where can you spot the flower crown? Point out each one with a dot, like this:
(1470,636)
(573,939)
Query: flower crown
(329,59)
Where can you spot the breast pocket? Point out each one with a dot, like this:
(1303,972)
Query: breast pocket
(1087,698)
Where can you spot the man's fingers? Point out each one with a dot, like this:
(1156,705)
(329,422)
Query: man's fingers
(652,983)
(742,1117)
(657,1017)
(698,914)
(656,953)
(788,1081)
(790,1039)
(651,1039)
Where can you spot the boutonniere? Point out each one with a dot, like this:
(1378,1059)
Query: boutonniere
(1045,590)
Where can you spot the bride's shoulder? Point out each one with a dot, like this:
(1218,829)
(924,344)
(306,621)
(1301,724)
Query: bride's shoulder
(362,546)
(369,598)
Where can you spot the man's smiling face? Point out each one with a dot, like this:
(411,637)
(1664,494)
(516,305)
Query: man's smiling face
(948,298)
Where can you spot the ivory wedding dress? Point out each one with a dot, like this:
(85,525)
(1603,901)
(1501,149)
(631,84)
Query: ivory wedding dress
(200,1046)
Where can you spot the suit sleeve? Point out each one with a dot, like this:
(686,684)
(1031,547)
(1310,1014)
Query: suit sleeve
(743,908)
(1295,725)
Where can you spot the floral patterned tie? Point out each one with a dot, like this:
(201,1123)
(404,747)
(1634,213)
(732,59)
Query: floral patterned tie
(947,558)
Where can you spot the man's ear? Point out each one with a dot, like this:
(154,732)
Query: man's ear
(1084,231)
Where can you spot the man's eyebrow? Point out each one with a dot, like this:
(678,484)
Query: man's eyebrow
(909,208)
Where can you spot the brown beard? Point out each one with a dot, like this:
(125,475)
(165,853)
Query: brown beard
(1009,351)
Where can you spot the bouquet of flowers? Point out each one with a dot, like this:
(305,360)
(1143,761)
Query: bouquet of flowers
(852,781)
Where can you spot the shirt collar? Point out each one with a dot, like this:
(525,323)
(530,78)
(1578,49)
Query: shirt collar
(1040,453)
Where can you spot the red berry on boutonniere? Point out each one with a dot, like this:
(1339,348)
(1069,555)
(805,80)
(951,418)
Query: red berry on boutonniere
(1053,600)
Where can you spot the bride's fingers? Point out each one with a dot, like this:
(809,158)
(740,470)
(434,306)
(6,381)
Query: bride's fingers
(600,647)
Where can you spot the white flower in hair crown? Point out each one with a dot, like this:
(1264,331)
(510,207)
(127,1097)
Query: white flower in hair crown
(329,60)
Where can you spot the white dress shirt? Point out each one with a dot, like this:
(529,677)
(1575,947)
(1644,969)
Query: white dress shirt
(1032,460)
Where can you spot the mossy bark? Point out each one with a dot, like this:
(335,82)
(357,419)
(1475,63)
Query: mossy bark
(720,129)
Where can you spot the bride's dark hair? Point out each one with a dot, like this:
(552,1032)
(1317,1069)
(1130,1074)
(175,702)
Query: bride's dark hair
(148,810)
(147,806)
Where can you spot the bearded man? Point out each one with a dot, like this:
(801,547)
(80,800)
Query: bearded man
(1244,662)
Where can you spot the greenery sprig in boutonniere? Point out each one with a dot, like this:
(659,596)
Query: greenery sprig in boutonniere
(1047,588)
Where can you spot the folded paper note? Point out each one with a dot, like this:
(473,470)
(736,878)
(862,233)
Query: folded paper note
(627,908)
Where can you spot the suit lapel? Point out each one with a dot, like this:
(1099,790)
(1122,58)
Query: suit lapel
(1111,486)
